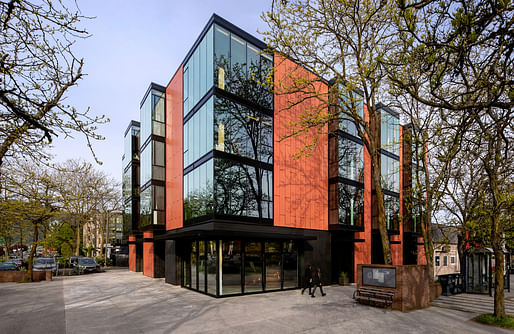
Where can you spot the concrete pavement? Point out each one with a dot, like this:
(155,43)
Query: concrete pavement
(118,301)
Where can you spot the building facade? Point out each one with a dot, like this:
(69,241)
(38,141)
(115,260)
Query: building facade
(230,211)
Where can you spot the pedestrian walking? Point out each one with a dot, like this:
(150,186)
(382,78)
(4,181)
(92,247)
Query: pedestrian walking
(316,282)
(307,277)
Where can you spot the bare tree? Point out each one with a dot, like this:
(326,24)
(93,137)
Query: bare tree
(37,69)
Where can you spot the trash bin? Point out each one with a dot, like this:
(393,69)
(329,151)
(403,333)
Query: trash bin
(444,284)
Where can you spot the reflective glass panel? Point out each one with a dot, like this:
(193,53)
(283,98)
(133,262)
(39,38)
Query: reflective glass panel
(253,267)
(240,190)
(273,256)
(193,261)
(231,267)
(201,265)
(351,160)
(389,132)
(146,206)
(351,205)
(211,267)
(390,173)
(242,131)
(198,191)
(290,265)
(352,102)
(392,212)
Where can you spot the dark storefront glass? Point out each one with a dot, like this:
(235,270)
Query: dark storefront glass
(242,131)
(243,190)
(231,267)
(253,267)
(290,265)
(211,267)
(273,265)
(193,262)
(201,266)
(351,205)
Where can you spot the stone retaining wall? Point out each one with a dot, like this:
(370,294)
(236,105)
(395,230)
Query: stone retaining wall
(19,276)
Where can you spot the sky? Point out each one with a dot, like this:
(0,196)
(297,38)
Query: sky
(132,44)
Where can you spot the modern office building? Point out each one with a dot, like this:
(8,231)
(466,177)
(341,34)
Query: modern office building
(225,207)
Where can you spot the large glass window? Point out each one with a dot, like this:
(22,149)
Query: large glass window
(193,263)
(351,205)
(390,132)
(253,267)
(198,133)
(390,173)
(198,191)
(273,258)
(352,102)
(231,268)
(242,131)
(201,265)
(127,183)
(290,265)
(243,190)
(392,212)
(351,160)
(211,267)
(152,115)
(242,69)
(198,72)
(146,207)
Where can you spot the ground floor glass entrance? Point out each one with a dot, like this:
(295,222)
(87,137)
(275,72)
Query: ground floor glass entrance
(229,267)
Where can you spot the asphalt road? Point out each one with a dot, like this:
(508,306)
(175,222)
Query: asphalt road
(119,301)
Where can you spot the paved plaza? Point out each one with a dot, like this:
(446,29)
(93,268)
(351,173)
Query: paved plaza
(119,301)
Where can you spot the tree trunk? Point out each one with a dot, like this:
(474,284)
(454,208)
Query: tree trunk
(28,277)
(384,237)
(107,239)
(77,244)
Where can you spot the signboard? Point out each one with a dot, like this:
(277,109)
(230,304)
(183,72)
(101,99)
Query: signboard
(383,277)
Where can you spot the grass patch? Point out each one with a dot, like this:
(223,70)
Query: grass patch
(489,319)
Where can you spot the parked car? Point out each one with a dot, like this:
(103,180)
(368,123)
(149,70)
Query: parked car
(45,263)
(74,259)
(7,266)
(16,261)
(86,265)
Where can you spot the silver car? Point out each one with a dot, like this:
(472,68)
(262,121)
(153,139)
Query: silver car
(86,265)
(45,263)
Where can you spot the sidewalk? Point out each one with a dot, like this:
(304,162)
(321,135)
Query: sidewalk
(476,303)
(118,301)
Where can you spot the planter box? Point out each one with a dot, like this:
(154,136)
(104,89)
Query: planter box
(410,282)
(18,276)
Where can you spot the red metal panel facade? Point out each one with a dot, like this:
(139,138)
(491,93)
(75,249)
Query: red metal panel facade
(174,164)
(300,184)
(132,253)
(148,254)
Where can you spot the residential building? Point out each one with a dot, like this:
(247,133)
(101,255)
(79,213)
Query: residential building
(225,207)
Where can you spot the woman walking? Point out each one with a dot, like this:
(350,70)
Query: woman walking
(316,281)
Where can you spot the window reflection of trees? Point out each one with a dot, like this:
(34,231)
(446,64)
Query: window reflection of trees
(351,160)
(242,190)
(392,212)
(351,205)
(242,131)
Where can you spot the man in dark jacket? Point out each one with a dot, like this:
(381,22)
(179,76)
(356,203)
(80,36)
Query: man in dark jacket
(316,281)
(307,279)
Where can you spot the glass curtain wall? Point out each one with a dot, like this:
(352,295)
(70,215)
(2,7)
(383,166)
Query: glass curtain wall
(229,267)
(152,174)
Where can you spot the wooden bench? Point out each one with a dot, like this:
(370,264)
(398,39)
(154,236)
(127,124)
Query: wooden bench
(373,296)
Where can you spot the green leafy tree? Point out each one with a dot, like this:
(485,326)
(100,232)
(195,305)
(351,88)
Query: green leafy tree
(346,42)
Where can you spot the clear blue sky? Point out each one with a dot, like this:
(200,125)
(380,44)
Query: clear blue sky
(134,43)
